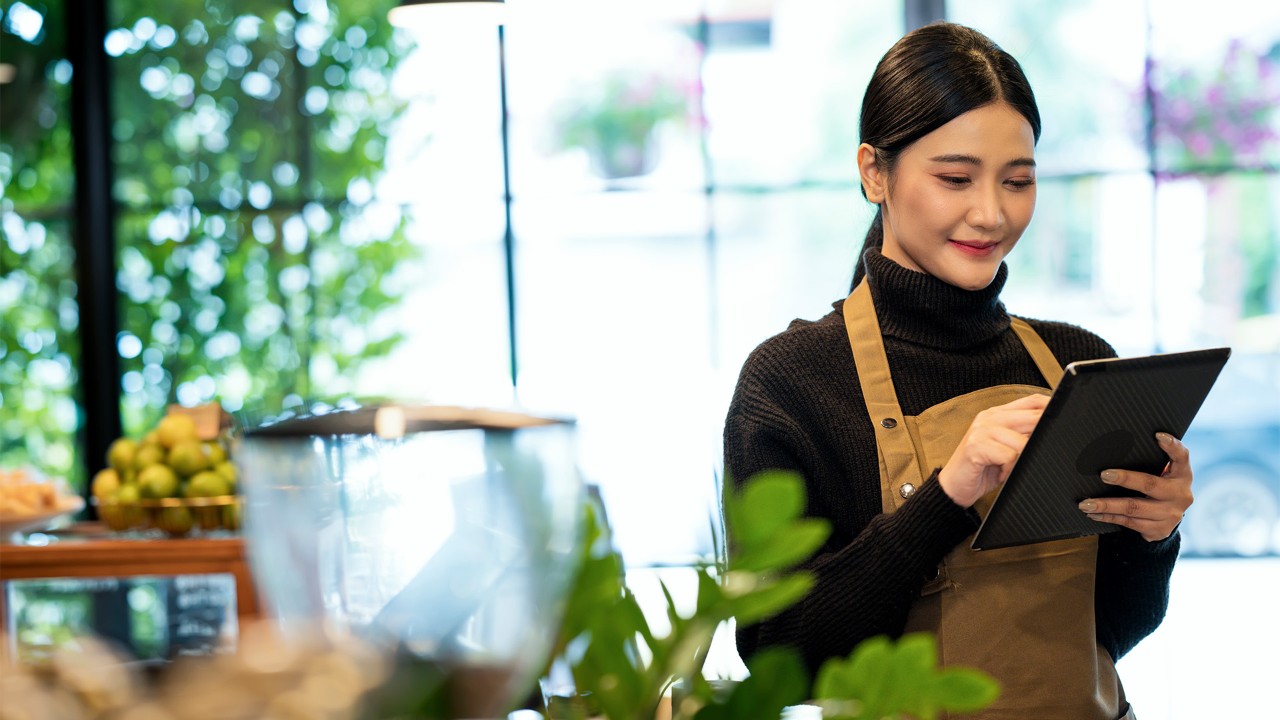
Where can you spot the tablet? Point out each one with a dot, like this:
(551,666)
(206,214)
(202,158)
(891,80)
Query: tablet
(1103,414)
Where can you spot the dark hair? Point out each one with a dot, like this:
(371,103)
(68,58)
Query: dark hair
(931,76)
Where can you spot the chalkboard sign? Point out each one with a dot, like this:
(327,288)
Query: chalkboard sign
(201,614)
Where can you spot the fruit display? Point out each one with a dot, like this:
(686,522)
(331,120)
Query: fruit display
(171,479)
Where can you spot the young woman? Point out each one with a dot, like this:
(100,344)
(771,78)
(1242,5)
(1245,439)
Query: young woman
(905,407)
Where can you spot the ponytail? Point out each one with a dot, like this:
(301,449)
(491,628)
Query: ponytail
(875,239)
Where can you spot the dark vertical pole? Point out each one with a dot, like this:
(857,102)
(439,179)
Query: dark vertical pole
(94,229)
(918,13)
(508,238)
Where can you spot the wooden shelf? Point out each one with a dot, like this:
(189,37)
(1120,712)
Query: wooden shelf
(85,551)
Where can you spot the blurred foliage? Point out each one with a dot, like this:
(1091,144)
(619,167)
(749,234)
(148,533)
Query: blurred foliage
(39,349)
(1218,117)
(614,120)
(621,667)
(254,261)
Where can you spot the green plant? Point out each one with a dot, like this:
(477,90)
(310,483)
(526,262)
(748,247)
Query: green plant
(621,668)
(614,121)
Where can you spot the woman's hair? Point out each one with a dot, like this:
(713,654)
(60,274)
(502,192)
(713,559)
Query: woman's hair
(931,76)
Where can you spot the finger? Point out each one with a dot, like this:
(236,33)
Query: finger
(1150,530)
(1179,455)
(1136,508)
(1149,485)
(1023,421)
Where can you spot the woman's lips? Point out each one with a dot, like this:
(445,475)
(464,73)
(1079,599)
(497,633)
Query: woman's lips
(976,249)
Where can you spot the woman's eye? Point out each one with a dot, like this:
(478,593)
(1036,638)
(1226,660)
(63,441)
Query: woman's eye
(1020,184)
(953,180)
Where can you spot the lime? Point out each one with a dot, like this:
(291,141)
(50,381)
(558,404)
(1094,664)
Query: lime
(173,429)
(128,494)
(158,481)
(188,458)
(216,452)
(148,454)
(208,484)
(120,453)
(105,483)
(228,471)
(175,520)
(231,516)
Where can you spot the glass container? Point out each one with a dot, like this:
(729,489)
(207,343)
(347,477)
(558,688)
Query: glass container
(446,535)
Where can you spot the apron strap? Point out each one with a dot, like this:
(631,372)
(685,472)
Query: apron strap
(1049,366)
(897,452)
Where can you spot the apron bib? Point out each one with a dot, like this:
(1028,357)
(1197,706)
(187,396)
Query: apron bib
(1024,614)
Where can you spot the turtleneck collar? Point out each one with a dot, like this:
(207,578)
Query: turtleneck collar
(921,309)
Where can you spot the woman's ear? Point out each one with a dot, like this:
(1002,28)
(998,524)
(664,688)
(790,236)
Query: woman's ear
(872,176)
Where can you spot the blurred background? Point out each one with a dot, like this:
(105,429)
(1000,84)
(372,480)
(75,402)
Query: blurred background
(264,203)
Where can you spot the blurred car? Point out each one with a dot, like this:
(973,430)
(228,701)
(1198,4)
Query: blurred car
(1235,452)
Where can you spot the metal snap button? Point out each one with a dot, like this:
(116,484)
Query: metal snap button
(907,490)
(889,423)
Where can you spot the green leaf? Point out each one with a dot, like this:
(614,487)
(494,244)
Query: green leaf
(787,547)
(964,689)
(769,599)
(766,503)
(777,680)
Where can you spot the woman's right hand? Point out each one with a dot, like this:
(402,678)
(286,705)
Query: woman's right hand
(986,453)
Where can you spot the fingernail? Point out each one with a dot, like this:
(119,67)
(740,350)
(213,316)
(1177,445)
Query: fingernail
(1164,438)
(1110,476)
(1088,506)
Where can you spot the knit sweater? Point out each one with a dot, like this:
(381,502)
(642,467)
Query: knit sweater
(798,406)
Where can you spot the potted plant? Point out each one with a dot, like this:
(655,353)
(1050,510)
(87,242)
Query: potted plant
(622,669)
(616,120)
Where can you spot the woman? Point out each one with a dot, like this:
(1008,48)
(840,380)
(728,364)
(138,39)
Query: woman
(906,406)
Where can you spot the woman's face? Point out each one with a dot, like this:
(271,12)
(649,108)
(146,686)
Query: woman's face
(960,197)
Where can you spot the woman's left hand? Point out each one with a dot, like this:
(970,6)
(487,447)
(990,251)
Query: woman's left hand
(1168,495)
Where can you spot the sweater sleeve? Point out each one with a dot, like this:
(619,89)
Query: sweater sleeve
(1132,590)
(866,578)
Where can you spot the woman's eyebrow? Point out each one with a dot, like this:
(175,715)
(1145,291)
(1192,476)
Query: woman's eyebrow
(975,160)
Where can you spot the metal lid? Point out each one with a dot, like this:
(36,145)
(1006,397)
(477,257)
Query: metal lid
(394,421)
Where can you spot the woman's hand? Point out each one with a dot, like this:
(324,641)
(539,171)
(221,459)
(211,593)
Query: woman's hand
(1168,496)
(986,453)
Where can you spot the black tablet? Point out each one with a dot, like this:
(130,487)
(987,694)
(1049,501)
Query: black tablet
(1103,414)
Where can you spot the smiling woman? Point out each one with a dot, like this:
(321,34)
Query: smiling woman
(959,198)
(905,408)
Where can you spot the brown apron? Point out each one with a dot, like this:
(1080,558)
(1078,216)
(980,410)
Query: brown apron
(1025,614)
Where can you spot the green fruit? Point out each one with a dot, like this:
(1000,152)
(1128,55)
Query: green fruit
(175,520)
(105,484)
(208,484)
(173,429)
(216,452)
(128,494)
(228,471)
(158,481)
(231,516)
(188,458)
(147,455)
(120,453)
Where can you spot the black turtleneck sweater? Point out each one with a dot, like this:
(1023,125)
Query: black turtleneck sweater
(798,406)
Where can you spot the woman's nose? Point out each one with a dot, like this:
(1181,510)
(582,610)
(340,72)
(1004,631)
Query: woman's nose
(986,212)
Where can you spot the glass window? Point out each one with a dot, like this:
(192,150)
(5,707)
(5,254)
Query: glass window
(1214,99)
(613,318)
(39,314)
(784,83)
(256,262)
(627,118)
(1085,61)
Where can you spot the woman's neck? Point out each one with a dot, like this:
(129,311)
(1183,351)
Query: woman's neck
(921,309)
